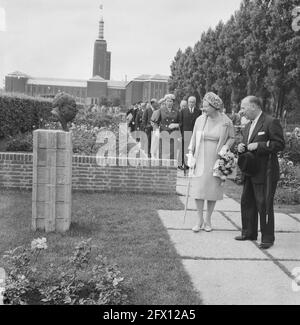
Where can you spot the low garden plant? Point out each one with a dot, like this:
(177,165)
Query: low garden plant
(288,190)
(86,278)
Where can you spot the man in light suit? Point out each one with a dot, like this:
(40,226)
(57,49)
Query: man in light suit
(264,138)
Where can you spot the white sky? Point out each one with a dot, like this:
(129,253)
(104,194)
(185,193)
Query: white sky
(55,38)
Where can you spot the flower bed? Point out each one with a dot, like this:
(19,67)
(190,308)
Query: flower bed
(292,148)
(288,191)
(85,279)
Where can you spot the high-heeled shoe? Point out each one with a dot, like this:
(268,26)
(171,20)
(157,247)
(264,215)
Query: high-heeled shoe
(207,228)
(197,228)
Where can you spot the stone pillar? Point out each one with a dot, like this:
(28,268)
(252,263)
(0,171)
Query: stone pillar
(52,180)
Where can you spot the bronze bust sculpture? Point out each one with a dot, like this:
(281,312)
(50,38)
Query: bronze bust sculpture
(65,109)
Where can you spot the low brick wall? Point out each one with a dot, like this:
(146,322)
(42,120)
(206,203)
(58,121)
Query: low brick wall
(16,170)
(90,174)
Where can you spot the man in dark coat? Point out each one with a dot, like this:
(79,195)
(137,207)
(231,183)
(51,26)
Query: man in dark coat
(264,138)
(187,118)
(147,122)
(139,128)
(131,116)
(139,117)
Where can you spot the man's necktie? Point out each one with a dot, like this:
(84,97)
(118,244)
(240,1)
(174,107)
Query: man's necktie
(250,130)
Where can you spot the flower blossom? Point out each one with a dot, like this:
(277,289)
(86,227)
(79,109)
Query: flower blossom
(40,243)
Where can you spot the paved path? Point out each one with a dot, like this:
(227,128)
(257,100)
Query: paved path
(228,272)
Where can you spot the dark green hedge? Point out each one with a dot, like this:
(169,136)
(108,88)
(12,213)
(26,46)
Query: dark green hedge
(21,114)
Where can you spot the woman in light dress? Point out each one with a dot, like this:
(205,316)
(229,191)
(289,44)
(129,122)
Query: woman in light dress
(213,131)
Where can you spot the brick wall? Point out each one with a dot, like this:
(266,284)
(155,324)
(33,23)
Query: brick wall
(16,170)
(91,174)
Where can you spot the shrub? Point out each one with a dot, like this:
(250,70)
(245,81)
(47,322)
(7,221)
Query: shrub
(20,142)
(83,280)
(21,114)
(292,148)
(288,174)
(84,132)
(287,196)
(84,139)
(288,191)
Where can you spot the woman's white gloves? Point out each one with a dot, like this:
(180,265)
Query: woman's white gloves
(191,161)
(224,150)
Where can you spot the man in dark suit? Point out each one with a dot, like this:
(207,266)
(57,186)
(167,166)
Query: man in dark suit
(263,136)
(187,118)
(139,128)
(139,117)
(131,116)
(147,122)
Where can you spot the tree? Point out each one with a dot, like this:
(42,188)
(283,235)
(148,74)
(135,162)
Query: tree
(255,53)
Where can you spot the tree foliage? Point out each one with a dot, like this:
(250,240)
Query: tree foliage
(255,53)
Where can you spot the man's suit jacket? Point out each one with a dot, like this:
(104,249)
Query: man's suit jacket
(133,112)
(147,119)
(187,119)
(268,134)
(139,120)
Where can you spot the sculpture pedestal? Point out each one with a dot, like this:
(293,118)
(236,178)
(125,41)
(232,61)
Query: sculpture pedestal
(52,180)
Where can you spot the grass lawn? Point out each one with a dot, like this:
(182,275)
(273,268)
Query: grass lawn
(234,191)
(128,231)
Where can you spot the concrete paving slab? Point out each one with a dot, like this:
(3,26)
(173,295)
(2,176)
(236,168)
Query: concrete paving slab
(181,190)
(175,220)
(294,269)
(213,245)
(291,266)
(241,283)
(182,181)
(235,217)
(287,246)
(225,205)
(296,216)
(283,222)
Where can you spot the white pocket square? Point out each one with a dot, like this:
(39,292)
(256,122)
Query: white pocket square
(261,133)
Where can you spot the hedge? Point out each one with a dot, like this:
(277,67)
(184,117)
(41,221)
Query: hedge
(20,113)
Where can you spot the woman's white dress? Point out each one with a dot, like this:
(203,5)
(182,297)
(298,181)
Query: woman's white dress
(205,186)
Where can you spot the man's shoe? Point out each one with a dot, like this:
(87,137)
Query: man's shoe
(244,238)
(266,245)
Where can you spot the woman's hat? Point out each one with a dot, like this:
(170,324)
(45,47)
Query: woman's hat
(170,96)
(214,100)
(248,163)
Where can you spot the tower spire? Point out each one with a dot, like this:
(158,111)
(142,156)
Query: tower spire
(101,24)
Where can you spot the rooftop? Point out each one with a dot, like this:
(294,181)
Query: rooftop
(117,84)
(18,74)
(156,77)
(57,82)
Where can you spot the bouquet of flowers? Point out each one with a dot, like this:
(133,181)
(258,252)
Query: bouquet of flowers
(225,165)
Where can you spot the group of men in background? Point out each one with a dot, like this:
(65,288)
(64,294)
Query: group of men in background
(140,117)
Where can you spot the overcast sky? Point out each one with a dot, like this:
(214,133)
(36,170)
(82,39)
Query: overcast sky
(55,38)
